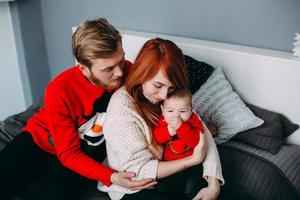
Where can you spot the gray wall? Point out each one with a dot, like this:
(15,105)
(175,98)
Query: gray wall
(260,23)
(11,88)
(31,47)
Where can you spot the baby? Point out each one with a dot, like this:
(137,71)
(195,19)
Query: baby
(179,127)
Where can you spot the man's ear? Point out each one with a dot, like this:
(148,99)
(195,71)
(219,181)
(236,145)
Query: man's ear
(85,70)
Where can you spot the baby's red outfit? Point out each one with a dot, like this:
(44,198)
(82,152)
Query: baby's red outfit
(182,144)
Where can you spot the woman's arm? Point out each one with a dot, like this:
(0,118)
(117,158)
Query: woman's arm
(128,147)
(167,168)
(127,142)
(212,171)
(214,186)
(128,150)
(211,164)
(211,192)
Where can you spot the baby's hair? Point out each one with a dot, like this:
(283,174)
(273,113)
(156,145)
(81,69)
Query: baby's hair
(181,93)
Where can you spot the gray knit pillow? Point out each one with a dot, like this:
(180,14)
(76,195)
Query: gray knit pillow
(217,103)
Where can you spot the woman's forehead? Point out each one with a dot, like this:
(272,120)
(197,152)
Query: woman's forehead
(161,78)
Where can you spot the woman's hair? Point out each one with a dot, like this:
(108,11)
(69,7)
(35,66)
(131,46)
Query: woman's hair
(94,39)
(156,54)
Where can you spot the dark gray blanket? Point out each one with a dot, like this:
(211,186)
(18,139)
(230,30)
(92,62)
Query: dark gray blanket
(13,124)
(253,173)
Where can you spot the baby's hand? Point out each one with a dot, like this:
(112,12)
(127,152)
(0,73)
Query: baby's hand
(172,131)
(175,123)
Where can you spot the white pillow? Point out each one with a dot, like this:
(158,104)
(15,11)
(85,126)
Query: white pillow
(217,103)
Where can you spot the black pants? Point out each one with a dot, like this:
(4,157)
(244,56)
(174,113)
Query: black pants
(181,186)
(27,169)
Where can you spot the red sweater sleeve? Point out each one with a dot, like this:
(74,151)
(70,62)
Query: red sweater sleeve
(161,132)
(66,140)
(188,132)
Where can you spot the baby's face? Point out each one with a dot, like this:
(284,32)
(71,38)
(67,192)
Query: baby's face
(176,107)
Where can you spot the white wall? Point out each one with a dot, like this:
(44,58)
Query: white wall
(266,78)
(11,91)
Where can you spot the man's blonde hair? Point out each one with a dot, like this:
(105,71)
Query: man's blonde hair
(94,39)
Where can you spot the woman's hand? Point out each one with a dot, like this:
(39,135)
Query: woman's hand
(207,194)
(199,150)
(211,192)
(124,179)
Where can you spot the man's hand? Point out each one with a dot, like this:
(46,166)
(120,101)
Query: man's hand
(124,179)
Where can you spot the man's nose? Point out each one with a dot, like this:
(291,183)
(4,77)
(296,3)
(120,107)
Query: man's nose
(118,71)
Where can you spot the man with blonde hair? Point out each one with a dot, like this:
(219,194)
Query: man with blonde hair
(49,147)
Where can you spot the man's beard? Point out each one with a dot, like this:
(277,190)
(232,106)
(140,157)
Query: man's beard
(112,84)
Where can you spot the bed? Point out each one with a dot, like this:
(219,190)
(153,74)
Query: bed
(265,78)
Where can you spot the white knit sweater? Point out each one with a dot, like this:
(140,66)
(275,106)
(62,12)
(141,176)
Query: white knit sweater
(127,138)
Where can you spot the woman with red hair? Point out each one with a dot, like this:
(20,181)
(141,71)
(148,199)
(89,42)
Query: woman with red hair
(132,114)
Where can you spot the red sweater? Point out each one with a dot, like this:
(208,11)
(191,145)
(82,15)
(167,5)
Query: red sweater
(187,137)
(69,102)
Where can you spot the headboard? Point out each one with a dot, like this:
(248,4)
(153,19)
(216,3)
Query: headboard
(266,78)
